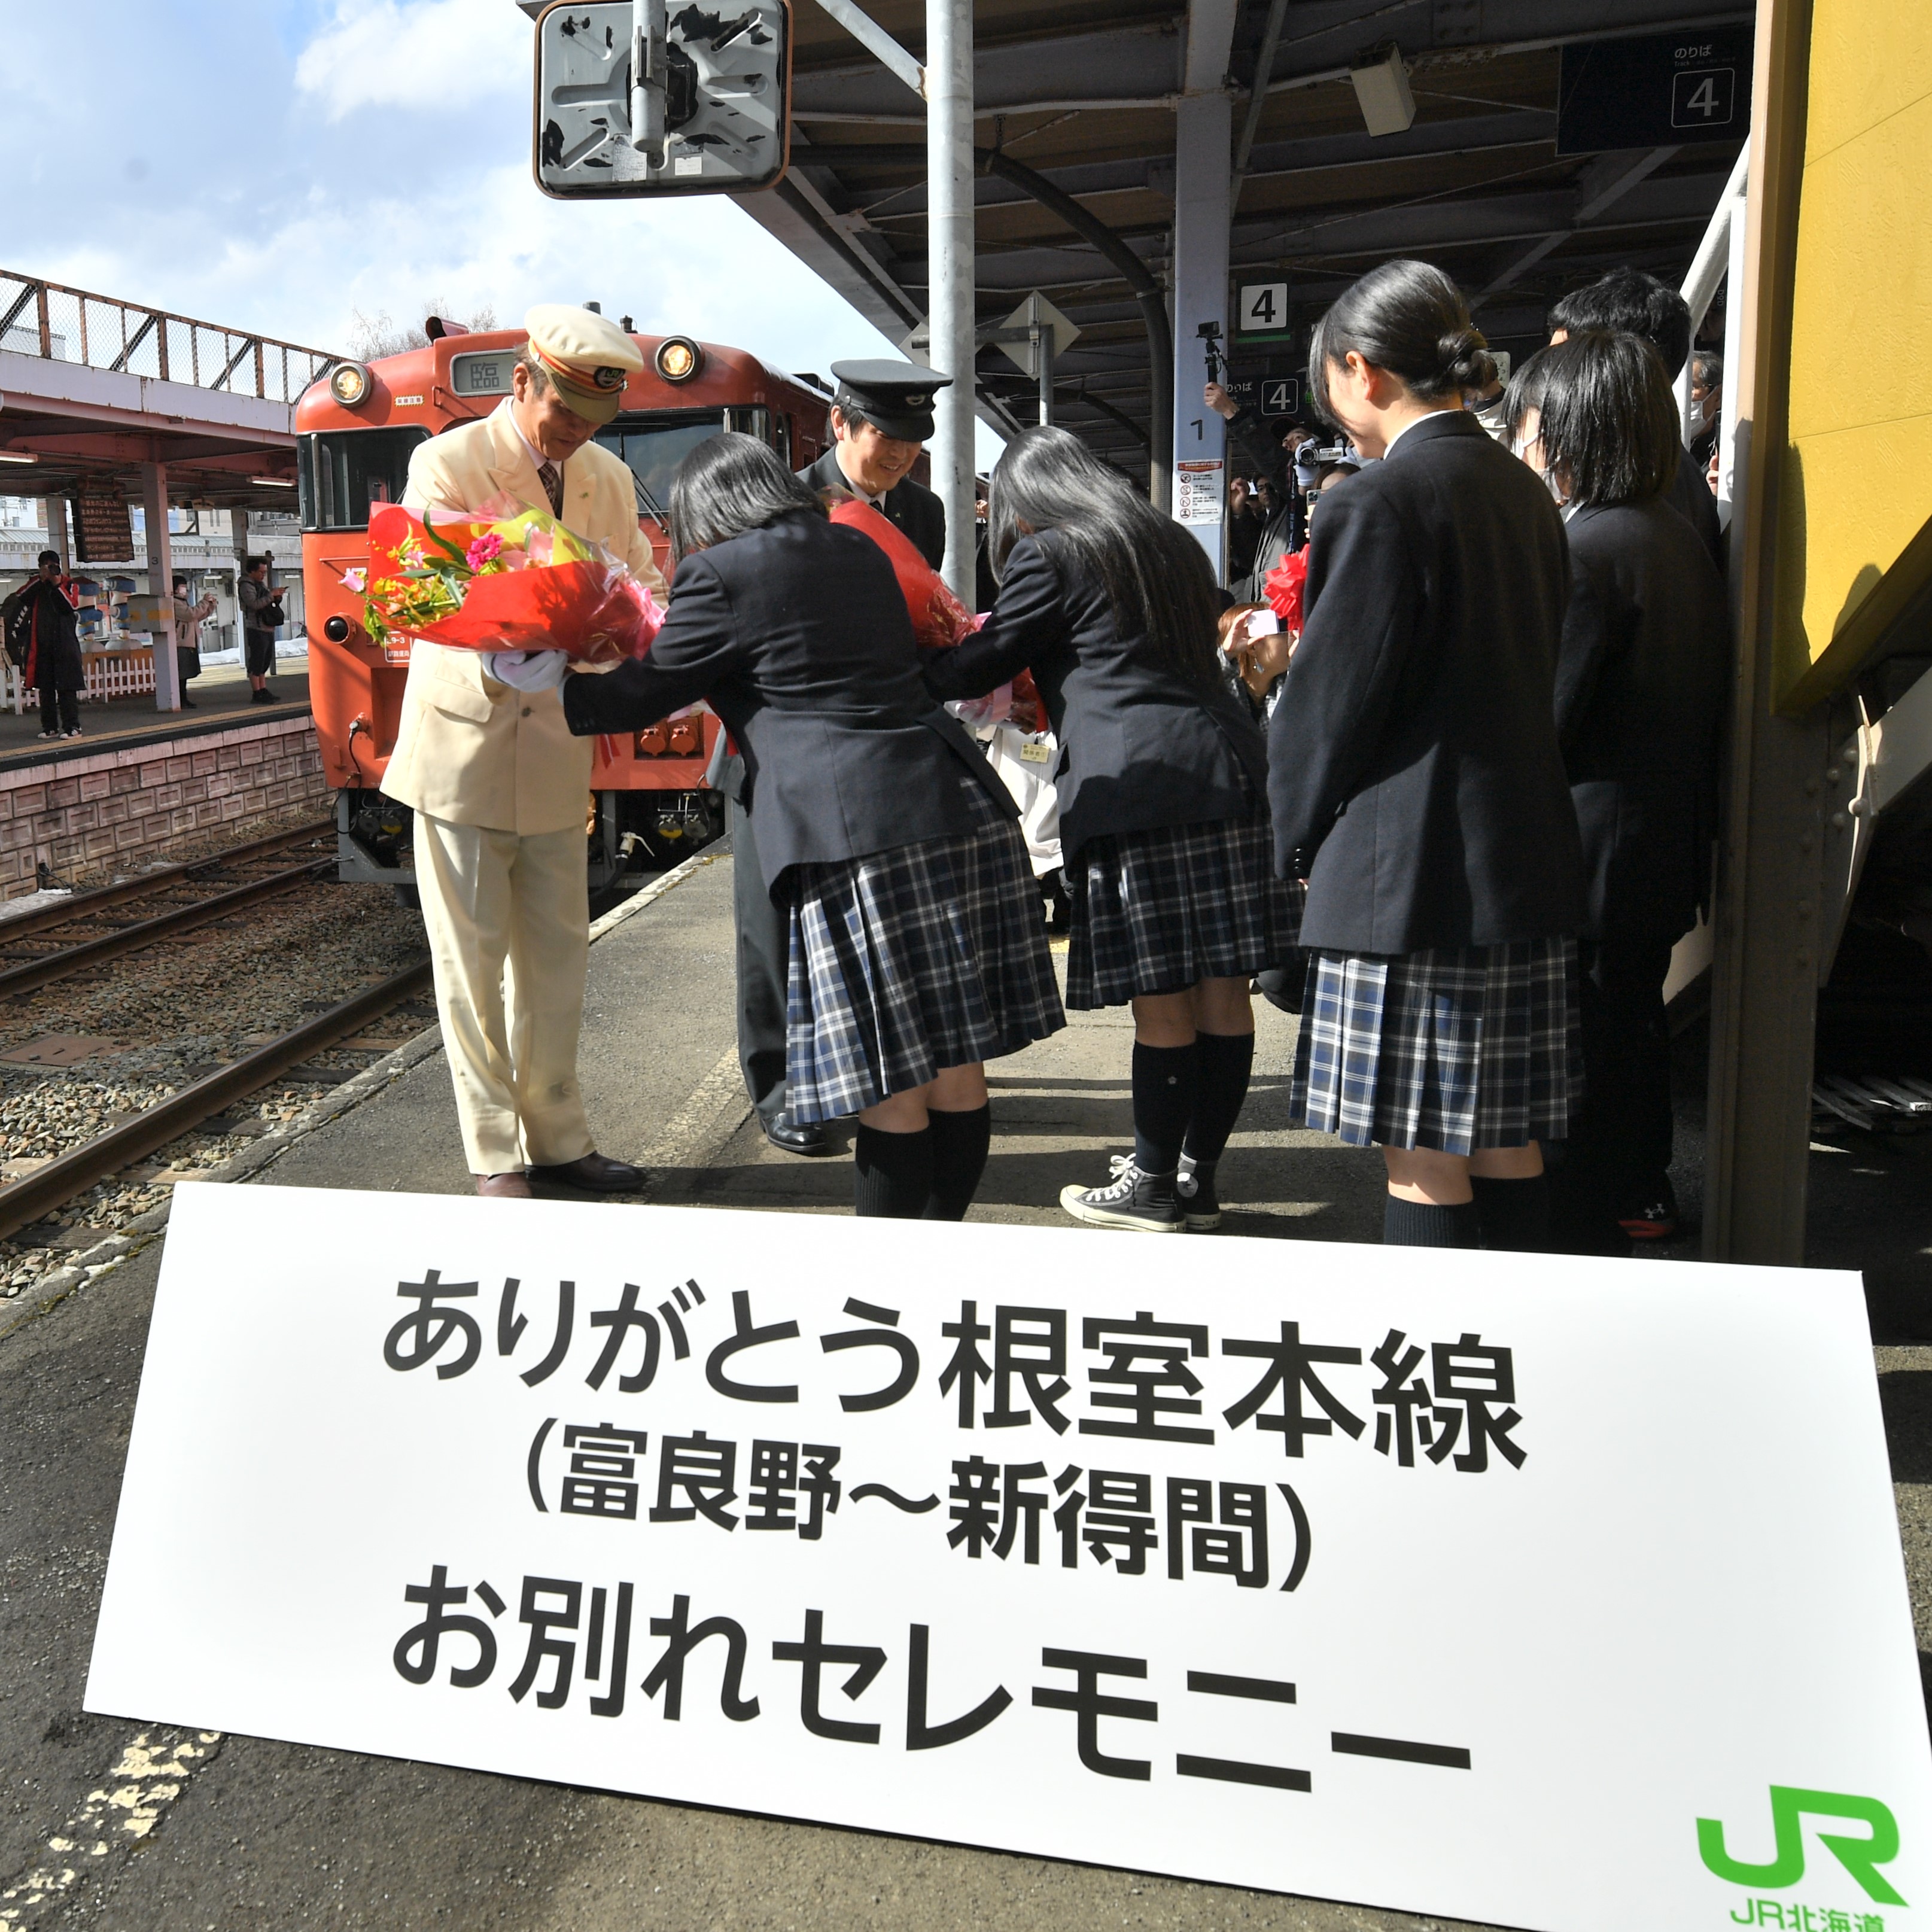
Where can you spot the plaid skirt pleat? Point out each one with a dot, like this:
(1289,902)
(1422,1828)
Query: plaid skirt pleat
(905,962)
(1157,911)
(1454,1049)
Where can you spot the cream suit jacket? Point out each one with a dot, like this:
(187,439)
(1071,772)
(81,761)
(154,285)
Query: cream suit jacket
(469,750)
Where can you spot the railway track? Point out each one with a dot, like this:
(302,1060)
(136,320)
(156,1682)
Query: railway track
(165,1016)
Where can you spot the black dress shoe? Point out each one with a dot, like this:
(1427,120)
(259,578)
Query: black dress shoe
(790,1136)
(595,1174)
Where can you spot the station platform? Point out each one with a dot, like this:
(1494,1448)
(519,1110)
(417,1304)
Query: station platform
(419,1844)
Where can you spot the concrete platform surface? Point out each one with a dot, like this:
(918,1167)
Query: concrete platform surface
(222,691)
(265,1834)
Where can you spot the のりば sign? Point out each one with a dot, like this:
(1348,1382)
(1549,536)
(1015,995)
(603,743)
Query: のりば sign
(1555,1593)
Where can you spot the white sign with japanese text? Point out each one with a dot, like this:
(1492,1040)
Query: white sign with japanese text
(1197,490)
(1556,1593)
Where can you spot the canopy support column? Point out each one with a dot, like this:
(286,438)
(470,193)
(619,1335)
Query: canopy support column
(160,583)
(950,263)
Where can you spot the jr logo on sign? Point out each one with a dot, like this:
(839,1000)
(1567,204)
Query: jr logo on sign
(1789,1806)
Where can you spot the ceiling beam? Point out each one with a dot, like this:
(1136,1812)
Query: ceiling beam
(1606,180)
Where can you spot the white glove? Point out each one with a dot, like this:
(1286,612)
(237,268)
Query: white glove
(527,671)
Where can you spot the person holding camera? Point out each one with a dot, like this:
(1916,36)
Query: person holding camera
(261,613)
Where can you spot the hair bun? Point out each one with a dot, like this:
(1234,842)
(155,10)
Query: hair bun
(1467,363)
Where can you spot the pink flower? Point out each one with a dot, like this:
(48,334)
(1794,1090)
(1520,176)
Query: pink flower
(486,549)
(356,580)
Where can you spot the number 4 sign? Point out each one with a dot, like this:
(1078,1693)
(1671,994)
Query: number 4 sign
(1263,308)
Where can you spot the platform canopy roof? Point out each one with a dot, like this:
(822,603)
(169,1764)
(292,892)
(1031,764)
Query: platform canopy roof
(92,386)
(1082,94)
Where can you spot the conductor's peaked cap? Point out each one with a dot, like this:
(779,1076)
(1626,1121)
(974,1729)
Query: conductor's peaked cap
(896,398)
(587,358)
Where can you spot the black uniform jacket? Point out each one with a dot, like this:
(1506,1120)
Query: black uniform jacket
(799,636)
(1141,747)
(910,504)
(1413,765)
(1689,495)
(1640,689)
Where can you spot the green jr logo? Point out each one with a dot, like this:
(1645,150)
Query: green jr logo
(1861,1856)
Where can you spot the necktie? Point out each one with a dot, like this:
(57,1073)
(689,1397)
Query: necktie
(552,479)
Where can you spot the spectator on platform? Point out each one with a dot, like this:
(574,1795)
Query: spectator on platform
(1640,687)
(1702,427)
(1272,450)
(261,611)
(1628,301)
(1418,786)
(1163,818)
(1246,524)
(43,639)
(188,621)
(917,948)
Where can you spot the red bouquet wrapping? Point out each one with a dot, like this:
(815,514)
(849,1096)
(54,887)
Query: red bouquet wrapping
(517,582)
(1282,588)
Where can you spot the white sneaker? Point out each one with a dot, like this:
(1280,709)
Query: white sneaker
(1144,1202)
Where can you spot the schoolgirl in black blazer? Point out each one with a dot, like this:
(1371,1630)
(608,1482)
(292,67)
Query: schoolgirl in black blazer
(1640,691)
(1162,786)
(1417,784)
(917,948)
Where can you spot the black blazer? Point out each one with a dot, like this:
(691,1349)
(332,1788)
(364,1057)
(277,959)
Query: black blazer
(1689,495)
(1140,748)
(1640,689)
(1412,760)
(798,635)
(910,504)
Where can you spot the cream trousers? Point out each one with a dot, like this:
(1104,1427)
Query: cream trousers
(509,927)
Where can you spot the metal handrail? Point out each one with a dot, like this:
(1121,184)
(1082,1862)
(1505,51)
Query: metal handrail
(111,334)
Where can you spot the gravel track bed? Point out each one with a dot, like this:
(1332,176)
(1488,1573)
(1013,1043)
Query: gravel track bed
(174,1012)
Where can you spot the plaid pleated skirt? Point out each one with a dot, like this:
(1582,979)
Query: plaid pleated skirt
(1157,911)
(1455,1049)
(903,962)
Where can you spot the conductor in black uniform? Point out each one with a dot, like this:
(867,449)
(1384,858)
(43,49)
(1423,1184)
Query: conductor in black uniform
(880,418)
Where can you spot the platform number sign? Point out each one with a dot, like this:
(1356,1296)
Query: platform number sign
(1704,98)
(1262,309)
(1280,395)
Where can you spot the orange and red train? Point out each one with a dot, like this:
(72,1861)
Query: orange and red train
(354,435)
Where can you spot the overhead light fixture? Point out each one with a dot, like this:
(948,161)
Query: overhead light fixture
(275,482)
(1382,92)
(18,456)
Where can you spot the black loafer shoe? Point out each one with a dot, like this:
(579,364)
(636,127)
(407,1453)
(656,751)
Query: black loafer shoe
(595,1174)
(790,1136)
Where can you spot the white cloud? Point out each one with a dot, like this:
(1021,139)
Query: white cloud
(435,55)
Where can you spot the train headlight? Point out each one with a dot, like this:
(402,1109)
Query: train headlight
(679,358)
(350,383)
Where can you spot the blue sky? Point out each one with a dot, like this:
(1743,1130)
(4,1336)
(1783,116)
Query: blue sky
(282,164)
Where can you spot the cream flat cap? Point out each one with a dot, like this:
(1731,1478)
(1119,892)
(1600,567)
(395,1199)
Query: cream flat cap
(587,358)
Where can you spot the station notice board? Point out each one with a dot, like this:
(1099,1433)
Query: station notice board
(103,530)
(1548,1592)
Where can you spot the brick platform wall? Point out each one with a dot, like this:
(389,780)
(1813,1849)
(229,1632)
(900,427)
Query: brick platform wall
(91,816)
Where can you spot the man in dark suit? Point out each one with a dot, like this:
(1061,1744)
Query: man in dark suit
(1628,301)
(881,418)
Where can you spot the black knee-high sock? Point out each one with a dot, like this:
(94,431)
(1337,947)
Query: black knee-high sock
(1514,1214)
(1421,1224)
(1165,1080)
(959,1144)
(1224,1060)
(892,1174)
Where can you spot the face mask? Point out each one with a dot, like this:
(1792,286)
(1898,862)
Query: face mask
(1699,415)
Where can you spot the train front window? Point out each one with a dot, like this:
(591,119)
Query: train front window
(343,472)
(653,446)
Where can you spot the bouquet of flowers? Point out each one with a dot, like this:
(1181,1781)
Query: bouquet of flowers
(505,578)
(1283,587)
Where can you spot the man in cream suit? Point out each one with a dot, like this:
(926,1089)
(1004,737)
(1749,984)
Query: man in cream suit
(499,787)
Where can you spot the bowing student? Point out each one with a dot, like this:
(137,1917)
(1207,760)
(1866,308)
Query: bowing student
(1418,786)
(1162,789)
(916,949)
(1640,689)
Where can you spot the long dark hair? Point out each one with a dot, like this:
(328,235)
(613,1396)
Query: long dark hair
(1410,320)
(1606,417)
(730,484)
(1156,576)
